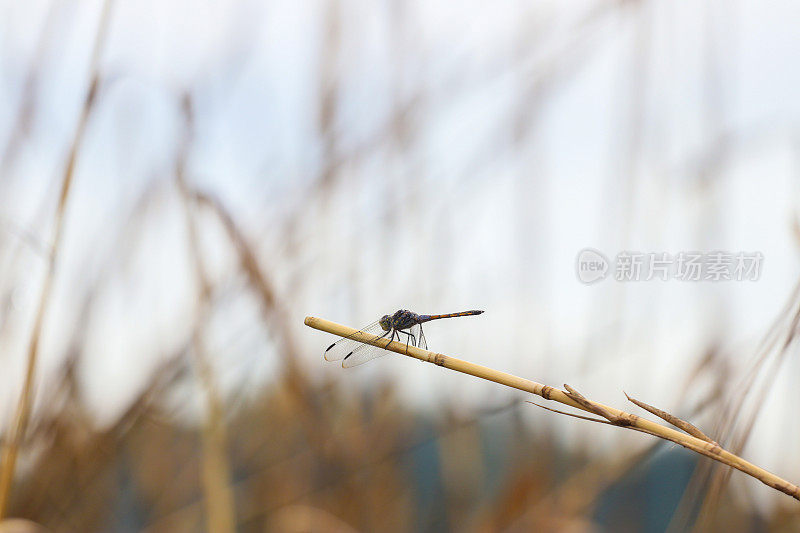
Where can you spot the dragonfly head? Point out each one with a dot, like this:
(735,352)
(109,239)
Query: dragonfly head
(385,322)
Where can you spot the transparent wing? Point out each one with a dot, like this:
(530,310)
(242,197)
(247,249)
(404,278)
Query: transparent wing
(366,352)
(354,352)
(422,342)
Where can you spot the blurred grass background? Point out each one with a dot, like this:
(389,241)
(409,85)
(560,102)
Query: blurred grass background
(234,166)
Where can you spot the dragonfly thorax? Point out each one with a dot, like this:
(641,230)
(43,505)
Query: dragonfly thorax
(400,320)
(403,319)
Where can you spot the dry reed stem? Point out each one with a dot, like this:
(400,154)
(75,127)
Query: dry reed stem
(275,314)
(11,445)
(569,397)
(216,468)
(220,507)
(756,382)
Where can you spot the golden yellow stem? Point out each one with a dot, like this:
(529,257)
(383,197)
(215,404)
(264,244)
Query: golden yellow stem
(709,449)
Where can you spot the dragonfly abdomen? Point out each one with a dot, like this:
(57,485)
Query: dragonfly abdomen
(427,318)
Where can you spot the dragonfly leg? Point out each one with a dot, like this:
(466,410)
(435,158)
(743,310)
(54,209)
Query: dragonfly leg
(394,331)
(408,338)
(382,336)
(422,342)
(413,340)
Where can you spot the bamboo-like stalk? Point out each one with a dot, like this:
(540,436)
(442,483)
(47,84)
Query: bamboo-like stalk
(569,397)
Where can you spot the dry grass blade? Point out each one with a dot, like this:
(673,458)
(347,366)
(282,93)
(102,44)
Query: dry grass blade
(672,419)
(571,398)
(593,407)
(11,446)
(573,415)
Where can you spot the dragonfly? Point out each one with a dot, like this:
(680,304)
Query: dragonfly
(403,322)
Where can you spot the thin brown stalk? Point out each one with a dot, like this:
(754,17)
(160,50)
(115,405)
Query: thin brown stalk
(220,508)
(216,468)
(756,383)
(571,398)
(12,443)
(275,314)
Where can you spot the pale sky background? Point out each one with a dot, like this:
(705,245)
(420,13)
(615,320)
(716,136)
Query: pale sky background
(461,219)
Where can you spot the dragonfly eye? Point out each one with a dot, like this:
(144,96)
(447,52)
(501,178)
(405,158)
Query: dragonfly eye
(384,322)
